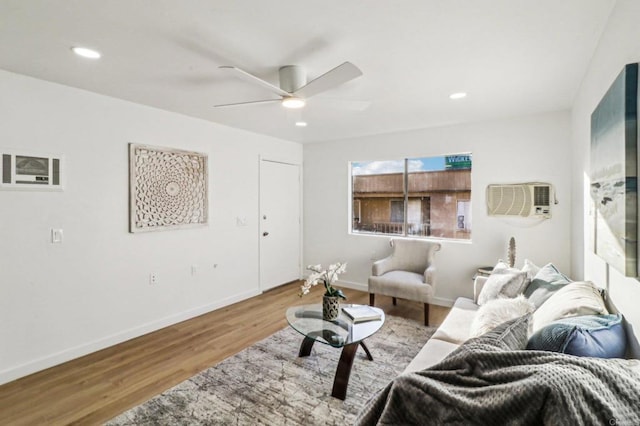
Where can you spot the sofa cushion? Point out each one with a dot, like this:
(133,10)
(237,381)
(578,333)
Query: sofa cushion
(601,336)
(503,281)
(497,311)
(544,284)
(431,353)
(574,299)
(456,326)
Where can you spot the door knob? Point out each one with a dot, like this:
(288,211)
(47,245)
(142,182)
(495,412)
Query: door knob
(264,234)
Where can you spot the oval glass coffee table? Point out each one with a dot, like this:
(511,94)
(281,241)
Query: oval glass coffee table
(340,333)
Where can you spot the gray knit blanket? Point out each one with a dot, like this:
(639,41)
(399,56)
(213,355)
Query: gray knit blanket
(491,381)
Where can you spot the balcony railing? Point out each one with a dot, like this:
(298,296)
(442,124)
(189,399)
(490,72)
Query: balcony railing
(395,228)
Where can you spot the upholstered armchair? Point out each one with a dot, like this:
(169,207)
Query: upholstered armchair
(408,273)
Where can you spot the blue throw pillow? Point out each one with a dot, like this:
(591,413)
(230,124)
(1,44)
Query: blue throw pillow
(547,281)
(600,336)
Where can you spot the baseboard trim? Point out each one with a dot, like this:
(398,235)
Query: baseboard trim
(352,285)
(48,361)
(440,301)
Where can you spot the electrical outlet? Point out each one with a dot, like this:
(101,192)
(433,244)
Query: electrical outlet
(153,279)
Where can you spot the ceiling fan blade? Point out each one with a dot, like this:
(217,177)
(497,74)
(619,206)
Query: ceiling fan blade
(335,77)
(254,80)
(248,103)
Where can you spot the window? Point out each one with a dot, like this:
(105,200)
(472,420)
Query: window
(397,211)
(422,197)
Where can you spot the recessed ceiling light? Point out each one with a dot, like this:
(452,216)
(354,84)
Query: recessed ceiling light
(293,102)
(301,123)
(458,95)
(86,53)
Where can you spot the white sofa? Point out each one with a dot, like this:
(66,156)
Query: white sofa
(456,329)
(502,384)
(453,331)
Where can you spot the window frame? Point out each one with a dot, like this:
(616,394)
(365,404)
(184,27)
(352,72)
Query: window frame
(405,225)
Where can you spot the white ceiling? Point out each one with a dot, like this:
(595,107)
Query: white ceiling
(513,57)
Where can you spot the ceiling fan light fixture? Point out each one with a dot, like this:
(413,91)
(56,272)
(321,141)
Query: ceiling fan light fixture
(293,102)
(86,53)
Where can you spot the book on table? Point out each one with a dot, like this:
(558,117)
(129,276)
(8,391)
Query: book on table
(361,313)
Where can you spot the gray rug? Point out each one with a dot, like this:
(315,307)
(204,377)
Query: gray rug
(269,384)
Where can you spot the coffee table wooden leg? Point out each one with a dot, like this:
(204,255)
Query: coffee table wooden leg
(366,350)
(305,347)
(343,371)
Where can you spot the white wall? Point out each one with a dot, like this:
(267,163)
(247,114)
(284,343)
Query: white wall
(534,148)
(61,301)
(619,45)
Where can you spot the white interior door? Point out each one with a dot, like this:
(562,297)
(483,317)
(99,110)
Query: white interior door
(279,223)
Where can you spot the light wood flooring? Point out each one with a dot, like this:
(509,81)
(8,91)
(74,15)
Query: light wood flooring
(99,386)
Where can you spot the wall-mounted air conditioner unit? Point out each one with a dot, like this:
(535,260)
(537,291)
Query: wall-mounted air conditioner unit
(524,199)
(29,171)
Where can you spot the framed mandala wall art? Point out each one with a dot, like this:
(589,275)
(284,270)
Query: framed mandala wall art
(167,188)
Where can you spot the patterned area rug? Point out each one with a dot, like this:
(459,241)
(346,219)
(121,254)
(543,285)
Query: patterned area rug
(269,384)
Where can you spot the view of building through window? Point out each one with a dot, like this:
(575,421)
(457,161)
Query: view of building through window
(423,197)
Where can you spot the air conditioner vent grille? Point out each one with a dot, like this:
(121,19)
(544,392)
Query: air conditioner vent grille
(541,195)
(508,200)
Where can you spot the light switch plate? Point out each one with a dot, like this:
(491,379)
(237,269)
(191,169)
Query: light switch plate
(56,236)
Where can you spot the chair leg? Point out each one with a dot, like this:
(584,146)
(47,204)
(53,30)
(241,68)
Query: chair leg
(372,299)
(394,300)
(426,314)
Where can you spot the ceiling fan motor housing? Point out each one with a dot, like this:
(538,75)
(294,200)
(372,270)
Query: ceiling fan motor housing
(292,77)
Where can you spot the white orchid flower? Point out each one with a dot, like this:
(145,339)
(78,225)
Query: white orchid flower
(326,276)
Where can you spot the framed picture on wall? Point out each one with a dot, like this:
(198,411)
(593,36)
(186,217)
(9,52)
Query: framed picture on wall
(167,188)
(614,173)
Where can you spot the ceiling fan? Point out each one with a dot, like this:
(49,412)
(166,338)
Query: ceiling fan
(294,89)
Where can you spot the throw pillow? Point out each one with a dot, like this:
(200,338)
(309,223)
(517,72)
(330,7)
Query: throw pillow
(497,311)
(530,268)
(574,299)
(601,336)
(544,284)
(503,281)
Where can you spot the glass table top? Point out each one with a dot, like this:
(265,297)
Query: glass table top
(307,320)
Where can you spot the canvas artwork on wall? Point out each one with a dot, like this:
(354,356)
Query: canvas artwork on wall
(167,188)
(614,173)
